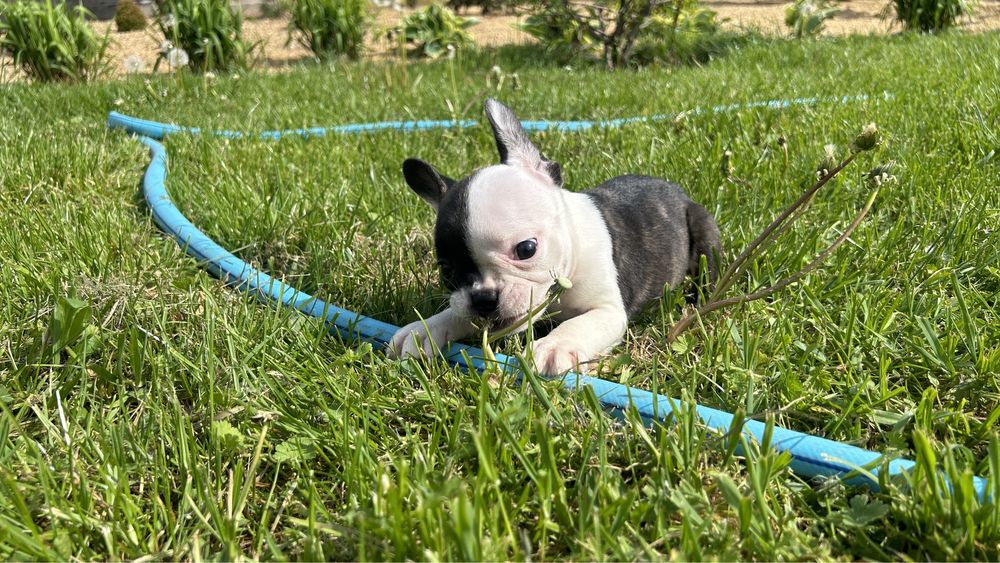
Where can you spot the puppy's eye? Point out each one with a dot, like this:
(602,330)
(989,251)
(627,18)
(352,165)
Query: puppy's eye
(526,249)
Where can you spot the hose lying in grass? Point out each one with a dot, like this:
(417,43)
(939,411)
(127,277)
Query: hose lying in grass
(811,456)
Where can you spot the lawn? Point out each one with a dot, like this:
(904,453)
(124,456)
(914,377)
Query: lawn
(147,409)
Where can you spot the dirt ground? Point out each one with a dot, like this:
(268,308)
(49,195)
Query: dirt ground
(855,16)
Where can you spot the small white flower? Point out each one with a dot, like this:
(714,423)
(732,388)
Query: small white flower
(118,102)
(170,21)
(451,51)
(177,58)
(209,75)
(133,64)
(166,46)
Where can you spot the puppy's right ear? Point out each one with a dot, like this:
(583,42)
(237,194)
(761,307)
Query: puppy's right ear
(427,182)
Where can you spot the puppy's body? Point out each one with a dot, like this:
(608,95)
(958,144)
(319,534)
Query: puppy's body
(658,235)
(504,233)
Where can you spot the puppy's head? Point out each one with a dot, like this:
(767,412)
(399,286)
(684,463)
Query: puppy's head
(502,233)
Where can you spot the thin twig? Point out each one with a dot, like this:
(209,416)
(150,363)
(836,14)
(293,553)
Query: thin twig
(728,277)
(685,322)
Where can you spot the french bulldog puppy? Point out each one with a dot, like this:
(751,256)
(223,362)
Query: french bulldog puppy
(507,231)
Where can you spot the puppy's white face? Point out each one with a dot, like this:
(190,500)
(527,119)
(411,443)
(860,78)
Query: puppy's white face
(502,234)
(517,238)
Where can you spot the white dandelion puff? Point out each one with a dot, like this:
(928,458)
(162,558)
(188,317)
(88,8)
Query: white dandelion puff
(133,64)
(177,58)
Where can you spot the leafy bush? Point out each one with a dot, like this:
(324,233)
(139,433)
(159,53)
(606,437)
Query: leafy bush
(433,29)
(330,27)
(487,6)
(621,32)
(208,31)
(562,38)
(50,43)
(129,16)
(930,15)
(805,18)
(691,37)
(275,8)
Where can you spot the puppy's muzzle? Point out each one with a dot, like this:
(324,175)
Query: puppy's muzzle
(484,302)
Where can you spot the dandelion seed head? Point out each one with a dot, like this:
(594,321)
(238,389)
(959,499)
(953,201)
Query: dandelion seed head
(177,58)
(133,64)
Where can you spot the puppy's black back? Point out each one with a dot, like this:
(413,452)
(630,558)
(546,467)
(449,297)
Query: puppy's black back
(657,233)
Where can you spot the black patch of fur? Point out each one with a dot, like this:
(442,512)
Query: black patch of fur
(458,269)
(426,181)
(657,235)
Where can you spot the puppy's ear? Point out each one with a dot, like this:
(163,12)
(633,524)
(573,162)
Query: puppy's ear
(427,182)
(513,144)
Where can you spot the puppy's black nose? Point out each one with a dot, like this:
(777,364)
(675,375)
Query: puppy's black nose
(484,301)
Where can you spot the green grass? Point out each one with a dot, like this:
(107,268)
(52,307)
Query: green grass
(147,409)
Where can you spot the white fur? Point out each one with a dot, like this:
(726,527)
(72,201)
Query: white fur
(510,204)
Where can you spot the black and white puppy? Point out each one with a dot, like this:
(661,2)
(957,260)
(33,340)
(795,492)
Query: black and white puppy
(505,232)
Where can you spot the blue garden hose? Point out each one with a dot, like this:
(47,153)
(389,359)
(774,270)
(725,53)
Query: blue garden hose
(811,456)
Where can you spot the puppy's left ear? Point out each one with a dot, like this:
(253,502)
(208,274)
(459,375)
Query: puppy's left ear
(426,181)
(513,144)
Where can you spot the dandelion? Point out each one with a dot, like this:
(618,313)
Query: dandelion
(451,51)
(868,139)
(829,161)
(133,64)
(166,46)
(209,75)
(881,175)
(177,58)
(726,166)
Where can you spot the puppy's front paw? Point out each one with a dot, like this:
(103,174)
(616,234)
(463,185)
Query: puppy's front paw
(420,337)
(554,357)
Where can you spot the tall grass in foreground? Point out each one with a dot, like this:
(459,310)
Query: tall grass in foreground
(146,409)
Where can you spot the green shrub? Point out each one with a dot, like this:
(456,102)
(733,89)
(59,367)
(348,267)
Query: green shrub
(930,15)
(487,6)
(562,38)
(275,8)
(619,32)
(50,43)
(805,18)
(129,16)
(433,29)
(208,31)
(695,38)
(330,27)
